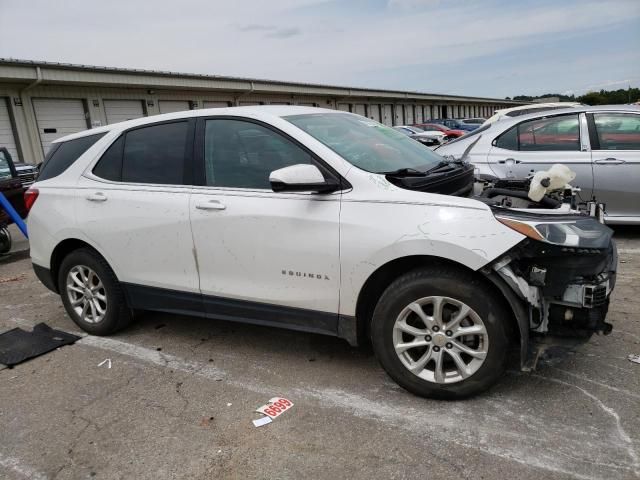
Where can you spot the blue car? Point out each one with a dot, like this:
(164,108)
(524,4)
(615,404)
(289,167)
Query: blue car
(454,124)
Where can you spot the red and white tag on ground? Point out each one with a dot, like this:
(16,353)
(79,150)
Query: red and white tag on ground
(276,407)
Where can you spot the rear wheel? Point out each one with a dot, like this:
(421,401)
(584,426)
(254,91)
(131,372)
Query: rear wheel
(92,294)
(5,240)
(441,333)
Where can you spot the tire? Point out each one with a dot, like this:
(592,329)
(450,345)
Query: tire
(397,322)
(110,311)
(5,240)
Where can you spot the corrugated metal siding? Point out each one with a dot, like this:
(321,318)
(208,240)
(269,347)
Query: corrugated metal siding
(57,118)
(7,138)
(122,110)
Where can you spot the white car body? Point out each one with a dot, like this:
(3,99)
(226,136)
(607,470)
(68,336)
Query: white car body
(344,236)
(419,134)
(531,108)
(315,249)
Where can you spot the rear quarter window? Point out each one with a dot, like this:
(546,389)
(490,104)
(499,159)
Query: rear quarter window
(64,154)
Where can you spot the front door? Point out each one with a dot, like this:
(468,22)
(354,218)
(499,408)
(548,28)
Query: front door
(537,144)
(265,257)
(616,163)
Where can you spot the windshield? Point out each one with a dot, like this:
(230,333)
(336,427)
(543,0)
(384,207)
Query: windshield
(365,143)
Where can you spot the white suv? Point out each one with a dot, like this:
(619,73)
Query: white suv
(314,220)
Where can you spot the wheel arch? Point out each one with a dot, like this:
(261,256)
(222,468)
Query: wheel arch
(61,250)
(384,275)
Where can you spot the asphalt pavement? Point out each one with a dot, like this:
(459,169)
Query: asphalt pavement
(179,397)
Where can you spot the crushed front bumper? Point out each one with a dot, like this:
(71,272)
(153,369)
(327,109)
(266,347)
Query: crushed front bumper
(563,292)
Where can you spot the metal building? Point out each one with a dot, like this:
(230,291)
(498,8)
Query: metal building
(42,101)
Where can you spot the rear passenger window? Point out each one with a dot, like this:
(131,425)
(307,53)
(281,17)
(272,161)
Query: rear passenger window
(618,131)
(65,154)
(154,154)
(110,165)
(561,133)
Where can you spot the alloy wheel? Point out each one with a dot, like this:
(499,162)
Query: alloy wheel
(87,294)
(440,339)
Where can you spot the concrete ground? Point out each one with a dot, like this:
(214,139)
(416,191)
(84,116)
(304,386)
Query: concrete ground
(181,392)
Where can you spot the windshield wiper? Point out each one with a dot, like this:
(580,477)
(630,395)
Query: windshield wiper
(405,172)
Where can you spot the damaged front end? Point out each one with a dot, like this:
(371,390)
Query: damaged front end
(562,275)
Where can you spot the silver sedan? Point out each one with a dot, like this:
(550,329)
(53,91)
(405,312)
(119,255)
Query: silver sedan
(600,143)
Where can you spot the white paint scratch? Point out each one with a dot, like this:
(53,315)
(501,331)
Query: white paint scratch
(16,466)
(600,384)
(626,439)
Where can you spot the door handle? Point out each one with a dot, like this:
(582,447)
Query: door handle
(97,197)
(509,161)
(610,161)
(211,205)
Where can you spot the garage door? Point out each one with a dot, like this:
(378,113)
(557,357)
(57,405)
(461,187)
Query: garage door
(57,118)
(374,112)
(344,107)
(419,117)
(360,109)
(398,118)
(387,114)
(215,104)
(408,113)
(7,139)
(123,110)
(170,106)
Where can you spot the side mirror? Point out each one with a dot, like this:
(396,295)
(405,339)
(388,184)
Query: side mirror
(301,178)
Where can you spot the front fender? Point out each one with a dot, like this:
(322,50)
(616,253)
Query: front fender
(467,236)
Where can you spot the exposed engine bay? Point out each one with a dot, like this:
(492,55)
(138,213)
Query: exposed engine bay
(562,273)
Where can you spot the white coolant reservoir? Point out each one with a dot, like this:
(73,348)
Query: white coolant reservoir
(557,177)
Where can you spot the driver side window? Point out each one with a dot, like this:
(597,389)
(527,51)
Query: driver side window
(241,154)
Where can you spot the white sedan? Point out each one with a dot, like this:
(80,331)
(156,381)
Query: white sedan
(428,137)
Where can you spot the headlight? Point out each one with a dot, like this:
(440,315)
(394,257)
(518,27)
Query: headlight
(581,232)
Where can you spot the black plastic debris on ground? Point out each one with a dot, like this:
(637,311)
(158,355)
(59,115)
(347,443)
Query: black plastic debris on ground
(18,345)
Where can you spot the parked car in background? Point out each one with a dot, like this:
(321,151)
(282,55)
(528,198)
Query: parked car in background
(474,121)
(10,185)
(12,188)
(428,137)
(26,173)
(526,109)
(601,144)
(449,134)
(455,124)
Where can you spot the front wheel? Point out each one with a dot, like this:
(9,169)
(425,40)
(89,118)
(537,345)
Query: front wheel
(441,333)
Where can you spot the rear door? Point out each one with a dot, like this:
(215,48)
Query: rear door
(615,142)
(537,144)
(134,206)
